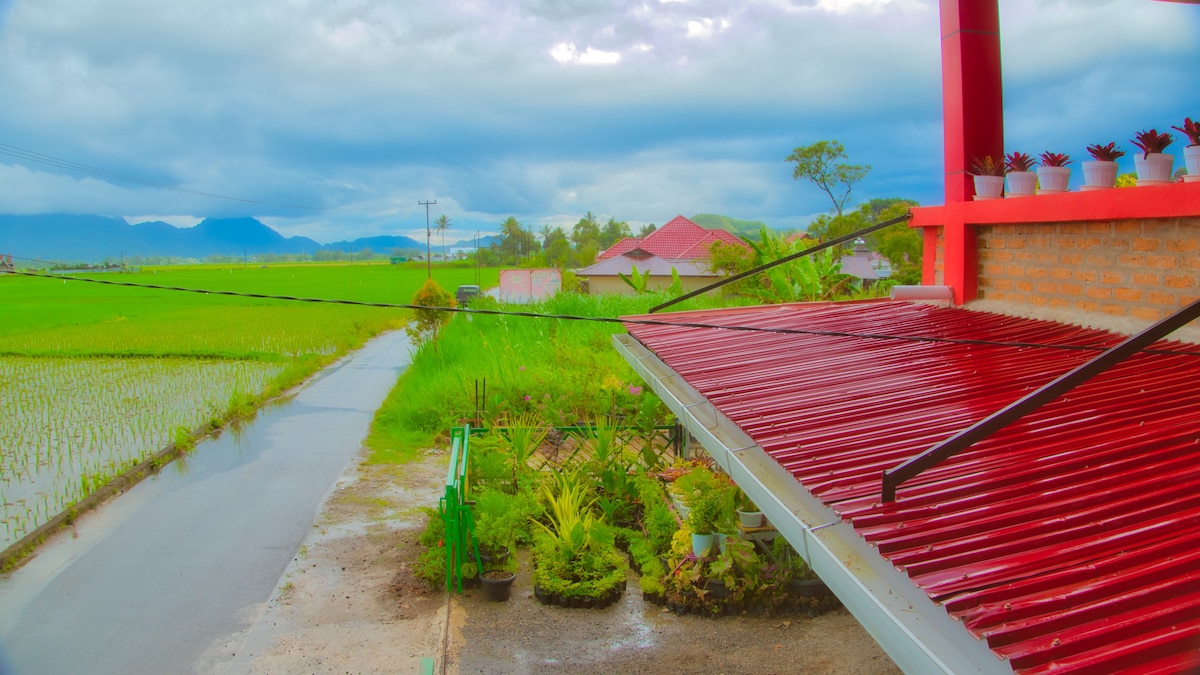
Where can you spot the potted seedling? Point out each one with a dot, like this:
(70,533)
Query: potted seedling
(1191,154)
(1054,175)
(704,515)
(989,177)
(1021,179)
(1100,173)
(1153,167)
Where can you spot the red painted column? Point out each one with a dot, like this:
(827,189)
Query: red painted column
(973,115)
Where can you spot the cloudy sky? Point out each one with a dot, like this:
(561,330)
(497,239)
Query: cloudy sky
(539,109)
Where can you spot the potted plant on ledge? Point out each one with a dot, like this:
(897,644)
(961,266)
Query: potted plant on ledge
(1054,175)
(1101,172)
(1022,181)
(989,178)
(1153,167)
(1191,154)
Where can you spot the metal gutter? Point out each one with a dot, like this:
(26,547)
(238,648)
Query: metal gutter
(918,635)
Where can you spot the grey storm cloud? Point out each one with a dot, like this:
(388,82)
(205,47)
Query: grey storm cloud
(536,108)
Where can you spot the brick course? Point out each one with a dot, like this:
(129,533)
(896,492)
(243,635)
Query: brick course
(1142,269)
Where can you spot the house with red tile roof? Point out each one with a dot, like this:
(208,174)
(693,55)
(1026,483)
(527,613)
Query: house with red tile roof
(680,239)
(681,246)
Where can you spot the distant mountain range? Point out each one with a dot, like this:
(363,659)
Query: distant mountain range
(76,238)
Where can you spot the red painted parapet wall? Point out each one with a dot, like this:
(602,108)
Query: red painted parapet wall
(1124,252)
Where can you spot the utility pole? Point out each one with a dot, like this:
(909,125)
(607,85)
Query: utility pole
(477,257)
(428,264)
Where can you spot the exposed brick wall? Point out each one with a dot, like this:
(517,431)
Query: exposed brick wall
(1142,269)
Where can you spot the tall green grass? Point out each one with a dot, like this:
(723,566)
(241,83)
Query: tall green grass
(563,371)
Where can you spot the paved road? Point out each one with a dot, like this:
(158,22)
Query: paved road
(153,580)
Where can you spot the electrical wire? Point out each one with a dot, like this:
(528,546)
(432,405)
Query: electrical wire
(50,160)
(602,319)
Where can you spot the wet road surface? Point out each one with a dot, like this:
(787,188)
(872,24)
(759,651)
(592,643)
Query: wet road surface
(153,580)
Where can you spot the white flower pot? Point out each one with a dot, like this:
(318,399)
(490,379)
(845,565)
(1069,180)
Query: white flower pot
(1154,168)
(754,518)
(1021,183)
(1191,159)
(1099,175)
(989,187)
(1053,179)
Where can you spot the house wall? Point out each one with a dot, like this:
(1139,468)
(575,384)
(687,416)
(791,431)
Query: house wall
(604,284)
(1141,269)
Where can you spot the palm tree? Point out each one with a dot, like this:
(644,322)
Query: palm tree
(441,224)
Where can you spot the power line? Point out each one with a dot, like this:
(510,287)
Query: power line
(50,160)
(606,319)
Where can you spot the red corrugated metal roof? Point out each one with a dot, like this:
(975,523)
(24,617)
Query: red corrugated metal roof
(679,239)
(1070,541)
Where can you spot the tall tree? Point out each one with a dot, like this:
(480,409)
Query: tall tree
(586,230)
(515,241)
(440,225)
(647,230)
(820,163)
(556,249)
(614,230)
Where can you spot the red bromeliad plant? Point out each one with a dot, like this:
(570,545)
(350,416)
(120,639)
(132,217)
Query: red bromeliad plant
(988,166)
(1055,159)
(1190,129)
(1152,141)
(1018,161)
(1105,153)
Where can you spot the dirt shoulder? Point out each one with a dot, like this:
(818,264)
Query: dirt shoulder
(350,604)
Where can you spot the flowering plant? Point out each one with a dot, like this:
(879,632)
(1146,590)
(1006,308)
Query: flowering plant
(988,166)
(1190,129)
(1018,161)
(1105,153)
(1055,159)
(1152,141)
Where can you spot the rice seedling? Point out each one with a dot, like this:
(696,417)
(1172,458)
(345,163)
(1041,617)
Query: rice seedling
(67,426)
(95,379)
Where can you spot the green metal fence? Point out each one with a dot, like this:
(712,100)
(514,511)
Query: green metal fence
(455,505)
(455,509)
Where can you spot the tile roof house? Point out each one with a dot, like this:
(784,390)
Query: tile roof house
(681,245)
(680,239)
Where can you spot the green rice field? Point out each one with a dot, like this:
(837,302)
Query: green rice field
(95,379)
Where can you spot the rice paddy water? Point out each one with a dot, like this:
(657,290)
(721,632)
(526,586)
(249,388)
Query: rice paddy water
(96,379)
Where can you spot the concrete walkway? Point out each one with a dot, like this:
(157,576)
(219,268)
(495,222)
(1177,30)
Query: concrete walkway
(151,581)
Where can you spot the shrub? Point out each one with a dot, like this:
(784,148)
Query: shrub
(427,323)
